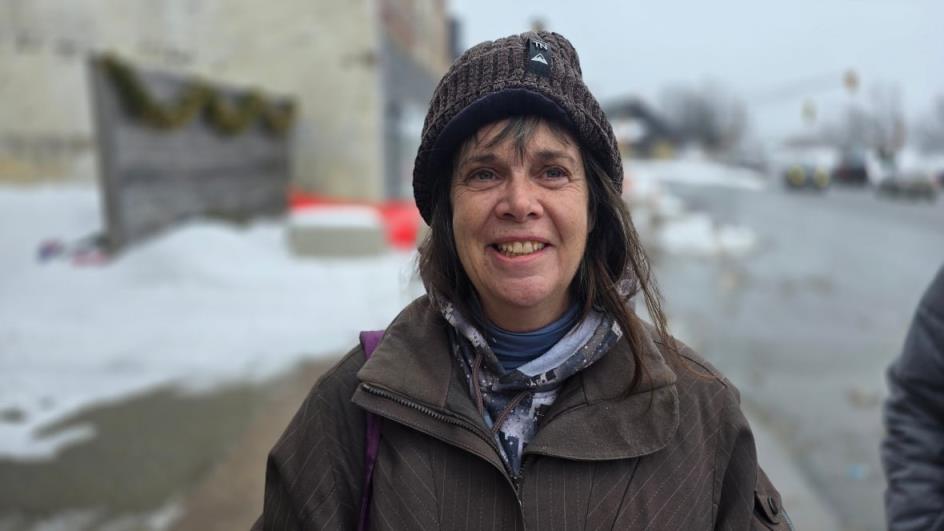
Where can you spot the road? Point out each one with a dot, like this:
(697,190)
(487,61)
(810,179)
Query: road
(806,325)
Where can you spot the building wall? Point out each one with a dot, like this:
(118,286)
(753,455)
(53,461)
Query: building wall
(325,54)
(44,118)
(415,52)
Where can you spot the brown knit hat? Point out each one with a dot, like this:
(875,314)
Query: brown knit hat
(532,73)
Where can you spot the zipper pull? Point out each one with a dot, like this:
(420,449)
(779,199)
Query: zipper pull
(517,478)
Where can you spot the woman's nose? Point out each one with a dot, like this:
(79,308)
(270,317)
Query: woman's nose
(520,200)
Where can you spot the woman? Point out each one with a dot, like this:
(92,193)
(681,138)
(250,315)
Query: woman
(523,392)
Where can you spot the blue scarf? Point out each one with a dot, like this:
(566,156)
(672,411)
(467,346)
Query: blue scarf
(514,349)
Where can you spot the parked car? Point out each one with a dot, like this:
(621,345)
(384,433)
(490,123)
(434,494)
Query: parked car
(909,186)
(806,176)
(852,168)
(803,166)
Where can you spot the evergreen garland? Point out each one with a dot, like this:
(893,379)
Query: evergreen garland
(228,119)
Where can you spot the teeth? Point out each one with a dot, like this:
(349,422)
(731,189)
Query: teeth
(520,248)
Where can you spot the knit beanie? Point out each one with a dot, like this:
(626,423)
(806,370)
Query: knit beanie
(534,73)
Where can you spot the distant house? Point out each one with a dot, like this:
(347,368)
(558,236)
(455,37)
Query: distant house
(640,131)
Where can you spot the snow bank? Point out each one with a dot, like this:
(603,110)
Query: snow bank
(697,235)
(665,222)
(199,306)
(692,170)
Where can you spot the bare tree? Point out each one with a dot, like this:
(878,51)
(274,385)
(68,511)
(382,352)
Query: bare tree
(880,125)
(710,116)
(851,129)
(930,132)
(888,119)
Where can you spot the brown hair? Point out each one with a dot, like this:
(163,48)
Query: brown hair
(614,268)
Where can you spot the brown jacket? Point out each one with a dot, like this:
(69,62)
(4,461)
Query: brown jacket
(676,454)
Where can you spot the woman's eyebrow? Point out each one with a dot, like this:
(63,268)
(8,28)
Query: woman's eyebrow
(481,158)
(543,155)
(546,155)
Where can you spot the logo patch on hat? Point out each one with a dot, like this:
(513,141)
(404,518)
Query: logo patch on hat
(539,57)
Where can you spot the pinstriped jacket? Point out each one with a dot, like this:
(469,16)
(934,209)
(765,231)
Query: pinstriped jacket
(676,454)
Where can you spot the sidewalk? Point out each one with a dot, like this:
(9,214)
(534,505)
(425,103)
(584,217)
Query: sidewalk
(807,510)
(230,496)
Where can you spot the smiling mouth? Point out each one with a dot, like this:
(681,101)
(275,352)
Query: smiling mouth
(519,248)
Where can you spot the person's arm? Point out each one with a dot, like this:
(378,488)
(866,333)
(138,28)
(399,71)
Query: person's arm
(314,472)
(747,499)
(913,449)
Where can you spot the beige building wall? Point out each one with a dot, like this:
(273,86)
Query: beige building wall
(421,29)
(325,54)
(44,119)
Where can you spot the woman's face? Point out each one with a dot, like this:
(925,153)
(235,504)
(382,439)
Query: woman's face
(520,223)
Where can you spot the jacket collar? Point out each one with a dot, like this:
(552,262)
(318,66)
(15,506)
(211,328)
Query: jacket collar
(414,360)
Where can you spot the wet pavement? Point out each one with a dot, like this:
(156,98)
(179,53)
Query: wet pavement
(806,324)
(164,459)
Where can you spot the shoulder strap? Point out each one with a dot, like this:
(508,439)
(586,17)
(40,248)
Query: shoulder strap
(369,340)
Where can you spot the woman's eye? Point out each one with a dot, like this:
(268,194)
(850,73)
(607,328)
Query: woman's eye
(481,176)
(555,172)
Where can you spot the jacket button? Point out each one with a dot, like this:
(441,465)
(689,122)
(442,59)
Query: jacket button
(772,503)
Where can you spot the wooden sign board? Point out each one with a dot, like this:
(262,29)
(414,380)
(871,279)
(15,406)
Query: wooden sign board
(152,178)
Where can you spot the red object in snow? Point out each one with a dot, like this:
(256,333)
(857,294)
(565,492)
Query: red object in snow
(401,218)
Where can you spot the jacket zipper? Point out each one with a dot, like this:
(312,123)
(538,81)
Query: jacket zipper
(383,393)
(518,478)
(418,407)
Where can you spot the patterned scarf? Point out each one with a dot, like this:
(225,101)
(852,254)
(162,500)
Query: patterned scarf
(512,403)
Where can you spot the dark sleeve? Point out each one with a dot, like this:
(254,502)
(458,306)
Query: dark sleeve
(913,448)
(314,472)
(748,500)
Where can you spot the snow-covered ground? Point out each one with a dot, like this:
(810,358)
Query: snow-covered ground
(199,306)
(694,169)
(666,221)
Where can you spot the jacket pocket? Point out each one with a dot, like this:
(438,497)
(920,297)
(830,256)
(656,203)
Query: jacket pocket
(769,512)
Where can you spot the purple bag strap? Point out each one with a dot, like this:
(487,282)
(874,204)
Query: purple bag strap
(369,341)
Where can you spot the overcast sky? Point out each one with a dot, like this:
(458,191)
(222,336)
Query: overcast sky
(774,55)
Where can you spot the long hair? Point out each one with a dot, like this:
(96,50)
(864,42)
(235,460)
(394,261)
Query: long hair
(614,268)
